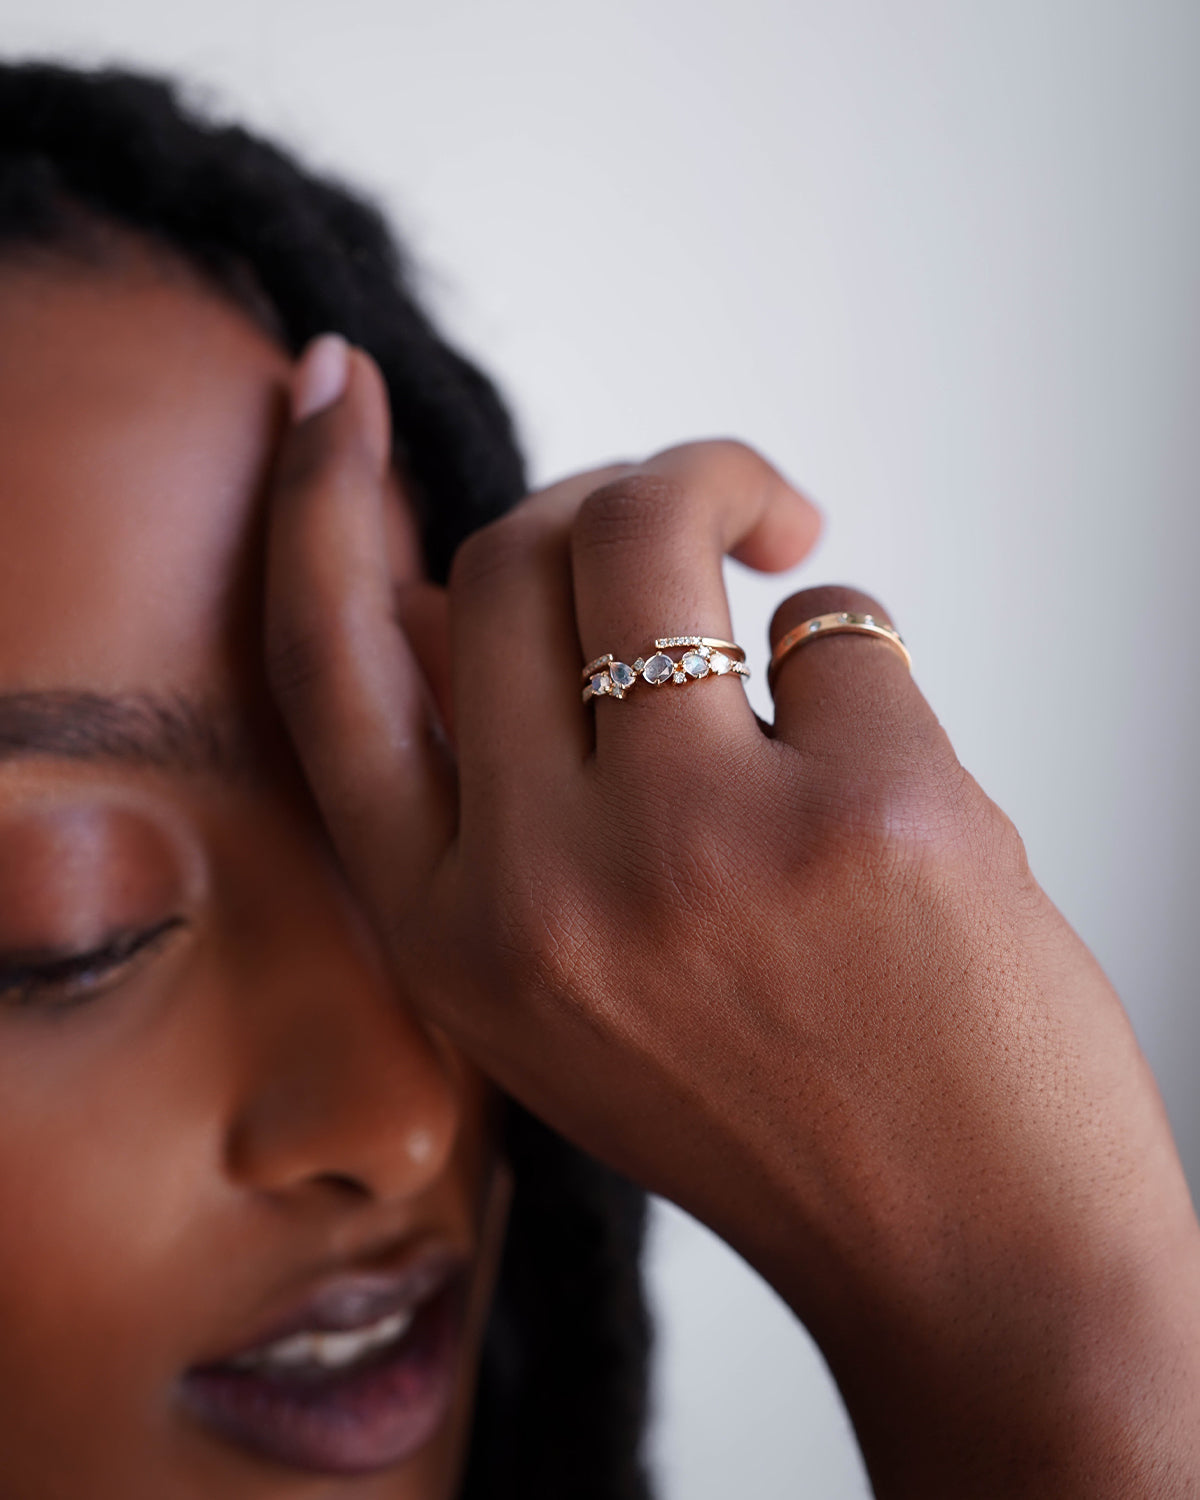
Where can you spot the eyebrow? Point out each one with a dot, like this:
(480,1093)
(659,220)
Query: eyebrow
(164,732)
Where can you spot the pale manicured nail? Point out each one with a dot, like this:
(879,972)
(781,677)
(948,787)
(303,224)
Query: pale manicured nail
(320,377)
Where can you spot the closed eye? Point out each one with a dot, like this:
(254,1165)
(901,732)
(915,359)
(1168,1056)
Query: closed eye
(62,980)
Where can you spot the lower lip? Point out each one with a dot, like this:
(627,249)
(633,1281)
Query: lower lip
(358,1423)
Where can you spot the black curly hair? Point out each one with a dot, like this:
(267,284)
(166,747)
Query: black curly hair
(563,1386)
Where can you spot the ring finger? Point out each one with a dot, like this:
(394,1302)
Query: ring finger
(646,553)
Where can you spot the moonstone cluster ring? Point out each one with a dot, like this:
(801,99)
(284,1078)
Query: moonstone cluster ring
(843,622)
(702,656)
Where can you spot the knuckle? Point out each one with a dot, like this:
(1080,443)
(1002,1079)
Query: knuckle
(642,508)
(496,551)
(299,659)
(914,827)
(886,816)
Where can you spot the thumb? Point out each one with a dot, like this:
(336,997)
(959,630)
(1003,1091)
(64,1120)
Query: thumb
(343,672)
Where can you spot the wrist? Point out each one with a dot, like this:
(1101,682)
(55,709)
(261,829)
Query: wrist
(1053,1362)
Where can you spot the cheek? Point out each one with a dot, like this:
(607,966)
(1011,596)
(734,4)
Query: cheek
(104,1163)
(106,1128)
(107,1179)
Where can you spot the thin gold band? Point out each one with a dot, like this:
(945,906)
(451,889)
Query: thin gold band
(843,622)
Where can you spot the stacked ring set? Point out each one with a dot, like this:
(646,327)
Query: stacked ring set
(704,656)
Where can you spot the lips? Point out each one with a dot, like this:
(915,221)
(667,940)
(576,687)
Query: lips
(356,1379)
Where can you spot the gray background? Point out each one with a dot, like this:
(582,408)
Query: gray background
(938,260)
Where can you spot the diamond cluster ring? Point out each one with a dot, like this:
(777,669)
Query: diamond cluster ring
(703,656)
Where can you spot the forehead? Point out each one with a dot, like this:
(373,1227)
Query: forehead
(138,414)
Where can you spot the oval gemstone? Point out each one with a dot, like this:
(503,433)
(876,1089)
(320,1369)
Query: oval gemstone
(658,668)
(719,663)
(601,683)
(621,674)
(694,664)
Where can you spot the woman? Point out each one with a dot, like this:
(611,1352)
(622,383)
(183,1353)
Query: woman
(202,258)
(264,978)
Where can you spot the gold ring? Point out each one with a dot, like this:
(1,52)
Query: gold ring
(844,622)
(705,656)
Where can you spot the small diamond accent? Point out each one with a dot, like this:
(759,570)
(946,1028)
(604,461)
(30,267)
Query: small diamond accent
(705,650)
(813,626)
(843,620)
(680,676)
(658,668)
(638,665)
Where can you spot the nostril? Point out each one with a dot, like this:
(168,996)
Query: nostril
(345,1185)
(345,1090)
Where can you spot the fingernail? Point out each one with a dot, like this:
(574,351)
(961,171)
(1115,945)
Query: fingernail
(320,376)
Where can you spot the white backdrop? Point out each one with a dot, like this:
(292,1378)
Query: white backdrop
(939,260)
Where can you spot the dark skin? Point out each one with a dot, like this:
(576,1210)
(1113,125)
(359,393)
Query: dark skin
(800,980)
(818,999)
(198,1130)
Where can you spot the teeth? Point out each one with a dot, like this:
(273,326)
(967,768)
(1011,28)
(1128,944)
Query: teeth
(329,1351)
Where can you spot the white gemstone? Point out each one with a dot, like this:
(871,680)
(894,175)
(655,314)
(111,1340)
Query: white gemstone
(639,664)
(621,674)
(601,683)
(814,625)
(658,668)
(680,676)
(843,620)
(720,663)
(694,664)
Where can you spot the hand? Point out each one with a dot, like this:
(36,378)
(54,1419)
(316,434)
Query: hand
(798,979)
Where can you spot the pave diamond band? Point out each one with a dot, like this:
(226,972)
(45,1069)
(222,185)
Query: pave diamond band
(705,656)
(843,622)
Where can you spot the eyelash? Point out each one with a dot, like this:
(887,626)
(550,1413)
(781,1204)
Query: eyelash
(76,977)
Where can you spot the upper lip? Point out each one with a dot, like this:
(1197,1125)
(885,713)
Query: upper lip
(355,1297)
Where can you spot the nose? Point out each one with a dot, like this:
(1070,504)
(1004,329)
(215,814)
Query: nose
(344,1091)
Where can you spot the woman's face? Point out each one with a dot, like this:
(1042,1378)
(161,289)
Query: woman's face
(249,1208)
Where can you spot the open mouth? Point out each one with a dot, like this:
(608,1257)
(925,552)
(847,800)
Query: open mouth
(358,1380)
